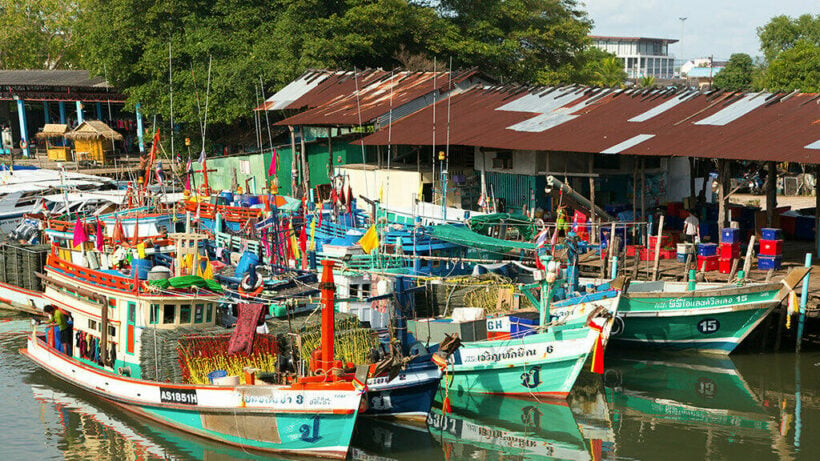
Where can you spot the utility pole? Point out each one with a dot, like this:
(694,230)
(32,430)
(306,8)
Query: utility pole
(682,22)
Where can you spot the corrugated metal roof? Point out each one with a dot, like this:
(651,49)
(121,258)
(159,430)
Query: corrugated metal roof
(284,98)
(336,101)
(709,125)
(51,78)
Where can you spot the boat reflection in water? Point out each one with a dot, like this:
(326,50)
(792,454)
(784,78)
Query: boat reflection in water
(378,439)
(486,426)
(693,403)
(89,432)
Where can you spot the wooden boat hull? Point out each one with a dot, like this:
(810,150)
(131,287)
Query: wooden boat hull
(540,365)
(316,420)
(715,321)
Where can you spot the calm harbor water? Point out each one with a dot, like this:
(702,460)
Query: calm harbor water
(646,407)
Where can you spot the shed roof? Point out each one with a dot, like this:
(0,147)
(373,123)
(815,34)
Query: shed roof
(93,129)
(52,130)
(331,97)
(51,78)
(756,126)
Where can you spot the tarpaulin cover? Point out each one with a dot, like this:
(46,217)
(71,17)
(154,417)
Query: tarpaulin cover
(245,331)
(463,236)
(187,281)
(484,223)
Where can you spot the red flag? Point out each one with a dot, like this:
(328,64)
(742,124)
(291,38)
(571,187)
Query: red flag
(272,167)
(303,239)
(99,239)
(334,197)
(136,236)
(119,235)
(349,199)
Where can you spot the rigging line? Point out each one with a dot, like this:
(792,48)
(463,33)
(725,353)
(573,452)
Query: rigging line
(435,98)
(207,100)
(446,147)
(257,119)
(171,93)
(196,93)
(364,155)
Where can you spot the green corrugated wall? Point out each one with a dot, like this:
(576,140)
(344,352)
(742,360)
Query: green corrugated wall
(259,164)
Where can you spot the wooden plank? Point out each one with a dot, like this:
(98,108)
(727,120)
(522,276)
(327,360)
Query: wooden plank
(657,249)
(747,263)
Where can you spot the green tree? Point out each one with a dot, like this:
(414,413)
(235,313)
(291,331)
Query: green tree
(797,68)
(782,33)
(39,34)
(530,41)
(737,75)
(647,81)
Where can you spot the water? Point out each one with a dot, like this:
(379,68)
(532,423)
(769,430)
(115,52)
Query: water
(646,407)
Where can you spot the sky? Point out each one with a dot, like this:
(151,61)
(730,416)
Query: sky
(713,27)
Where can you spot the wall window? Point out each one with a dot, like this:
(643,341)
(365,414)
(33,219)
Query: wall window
(92,325)
(154,314)
(199,313)
(112,331)
(209,313)
(185,313)
(503,161)
(169,313)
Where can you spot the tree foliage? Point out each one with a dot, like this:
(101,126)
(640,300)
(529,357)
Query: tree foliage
(610,73)
(737,75)
(39,34)
(791,47)
(782,33)
(530,41)
(797,68)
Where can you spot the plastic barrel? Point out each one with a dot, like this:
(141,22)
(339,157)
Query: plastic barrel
(216,374)
(142,266)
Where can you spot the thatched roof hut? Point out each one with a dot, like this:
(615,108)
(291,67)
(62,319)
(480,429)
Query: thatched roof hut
(93,130)
(52,130)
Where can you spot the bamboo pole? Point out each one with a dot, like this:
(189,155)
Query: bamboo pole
(294,168)
(305,168)
(771,192)
(634,195)
(747,263)
(643,191)
(721,163)
(657,250)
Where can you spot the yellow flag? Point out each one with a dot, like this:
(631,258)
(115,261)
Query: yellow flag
(294,244)
(381,193)
(141,250)
(370,239)
(421,191)
(312,234)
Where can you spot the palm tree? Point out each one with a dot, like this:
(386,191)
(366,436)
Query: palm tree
(610,73)
(647,82)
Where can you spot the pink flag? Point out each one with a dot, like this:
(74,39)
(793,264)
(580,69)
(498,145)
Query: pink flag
(99,237)
(79,233)
(188,176)
(272,167)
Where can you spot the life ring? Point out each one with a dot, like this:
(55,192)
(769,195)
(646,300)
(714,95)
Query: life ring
(248,291)
(23,144)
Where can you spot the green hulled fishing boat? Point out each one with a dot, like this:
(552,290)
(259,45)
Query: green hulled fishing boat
(707,317)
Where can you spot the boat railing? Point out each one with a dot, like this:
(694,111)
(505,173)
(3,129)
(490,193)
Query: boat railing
(105,280)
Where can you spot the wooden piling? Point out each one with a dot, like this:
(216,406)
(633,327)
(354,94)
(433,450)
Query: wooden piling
(657,249)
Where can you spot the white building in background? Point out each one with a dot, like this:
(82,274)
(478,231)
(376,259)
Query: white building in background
(641,56)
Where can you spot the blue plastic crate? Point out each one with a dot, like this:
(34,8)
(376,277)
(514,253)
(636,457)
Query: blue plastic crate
(523,324)
(681,257)
(707,249)
(765,263)
(730,235)
(771,234)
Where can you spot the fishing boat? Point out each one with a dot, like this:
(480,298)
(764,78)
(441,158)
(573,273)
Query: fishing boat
(112,313)
(501,427)
(706,317)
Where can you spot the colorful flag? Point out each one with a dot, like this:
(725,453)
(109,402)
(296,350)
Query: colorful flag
(272,167)
(349,199)
(202,157)
(98,237)
(80,236)
(370,239)
(188,171)
(118,235)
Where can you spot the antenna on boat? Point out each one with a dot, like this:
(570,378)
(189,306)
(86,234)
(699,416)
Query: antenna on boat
(207,100)
(267,120)
(364,155)
(433,191)
(256,119)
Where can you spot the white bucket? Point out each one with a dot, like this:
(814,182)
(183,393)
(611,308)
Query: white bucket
(686,248)
(227,381)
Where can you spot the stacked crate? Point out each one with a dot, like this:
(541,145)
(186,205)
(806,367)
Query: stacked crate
(707,257)
(729,249)
(19,264)
(770,255)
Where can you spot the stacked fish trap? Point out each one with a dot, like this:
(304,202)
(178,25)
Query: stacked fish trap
(19,264)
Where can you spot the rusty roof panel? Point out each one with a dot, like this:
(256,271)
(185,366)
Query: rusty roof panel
(782,129)
(352,98)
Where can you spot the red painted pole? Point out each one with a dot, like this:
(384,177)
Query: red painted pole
(328,314)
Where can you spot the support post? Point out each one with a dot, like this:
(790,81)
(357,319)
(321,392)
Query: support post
(804,296)
(593,231)
(657,249)
(99,111)
(747,263)
(294,168)
(692,195)
(643,192)
(722,173)
(817,208)
(46,113)
(79,106)
(305,169)
(21,115)
(140,129)
(61,105)
(771,192)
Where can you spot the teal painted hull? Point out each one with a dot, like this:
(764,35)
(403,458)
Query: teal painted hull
(321,434)
(541,365)
(711,324)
